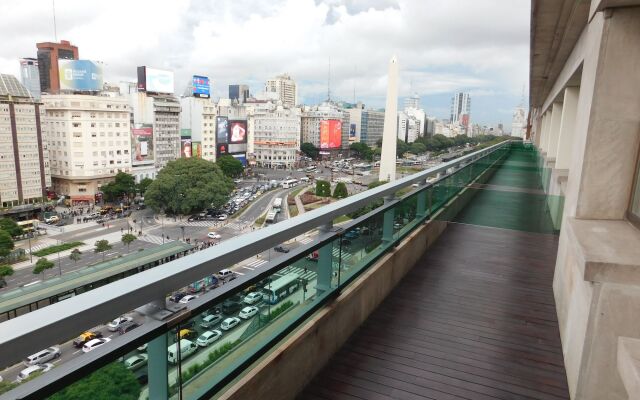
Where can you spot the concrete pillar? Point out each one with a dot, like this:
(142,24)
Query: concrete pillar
(554,130)
(157,368)
(567,127)
(390,132)
(545,131)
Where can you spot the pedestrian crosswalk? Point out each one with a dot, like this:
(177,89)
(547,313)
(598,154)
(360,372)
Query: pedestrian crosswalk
(301,272)
(204,224)
(154,239)
(255,264)
(40,246)
(239,225)
(306,240)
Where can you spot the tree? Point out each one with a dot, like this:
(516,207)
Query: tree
(11,227)
(128,238)
(5,270)
(113,381)
(379,142)
(309,150)
(187,185)
(417,148)
(102,246)
(42,265)
(323,188)
(230,166)
(75,255)
(401,148)
(340,192)
(144,185)
(6,243)
(362,150)
(371,206)
(123,185)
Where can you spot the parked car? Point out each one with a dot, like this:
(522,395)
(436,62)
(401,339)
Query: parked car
(208,337)
(94,344)
(176,297)
(127,326)
(32,369)
(135,362)
(42,356)
(211,320)
(143,348)
(115,324)
(229,323)
(252,298)
(281,249)
(188,298)
(85,337)
(248,312)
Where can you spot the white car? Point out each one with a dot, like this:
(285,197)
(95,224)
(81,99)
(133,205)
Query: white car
(135,362)
(213,235)
(116,323)
(143,348)
(223,217)
(187,298)
(252,298)
(248,312)
(94,344)
(229,323)
(29,371)
(208,337)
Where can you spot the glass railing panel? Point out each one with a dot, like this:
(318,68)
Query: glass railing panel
(361,244)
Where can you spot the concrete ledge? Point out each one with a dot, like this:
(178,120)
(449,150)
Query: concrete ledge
(606,250)
(629,365)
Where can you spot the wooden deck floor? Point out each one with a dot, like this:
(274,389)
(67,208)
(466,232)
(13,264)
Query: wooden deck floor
(474,319)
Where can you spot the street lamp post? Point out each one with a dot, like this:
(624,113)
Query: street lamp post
(59,267)
(30,255)
(182,228)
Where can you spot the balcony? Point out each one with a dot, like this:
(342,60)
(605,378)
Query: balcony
(470,244)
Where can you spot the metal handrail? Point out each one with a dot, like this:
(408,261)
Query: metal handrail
(60,321)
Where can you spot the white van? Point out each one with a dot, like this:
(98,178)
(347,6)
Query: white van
(42,356)
(187,347)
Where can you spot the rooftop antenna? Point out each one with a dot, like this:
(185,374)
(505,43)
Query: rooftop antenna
(355,73)
(55,28)
(329,82)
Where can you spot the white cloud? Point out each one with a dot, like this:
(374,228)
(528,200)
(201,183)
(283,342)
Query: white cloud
(442,46)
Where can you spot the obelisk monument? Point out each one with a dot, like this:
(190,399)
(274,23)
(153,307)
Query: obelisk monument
(390,132)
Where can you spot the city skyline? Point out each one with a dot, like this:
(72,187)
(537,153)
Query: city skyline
(250,43)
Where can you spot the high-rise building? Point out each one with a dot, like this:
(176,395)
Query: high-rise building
(285,88)
(274,133)
(367,125)
(198,121)
(412,101)
(410,127)
(48,55)
(30,76)
(460,106)
(24,159)
(239,93)
(89,142)
(312,120)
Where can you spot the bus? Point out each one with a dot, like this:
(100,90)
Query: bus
(28,226)
(277,204)
(271,217)
(280,288)
(313,168)
(289,183)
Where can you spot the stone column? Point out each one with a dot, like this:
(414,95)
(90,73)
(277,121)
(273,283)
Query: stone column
(567,127)
(554,131)
(390,132)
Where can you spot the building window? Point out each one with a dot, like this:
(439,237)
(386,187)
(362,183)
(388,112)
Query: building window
(634,207)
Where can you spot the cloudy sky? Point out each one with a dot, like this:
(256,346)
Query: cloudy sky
(480,46)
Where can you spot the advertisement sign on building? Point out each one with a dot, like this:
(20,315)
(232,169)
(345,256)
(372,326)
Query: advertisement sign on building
(196,149)
(237,131)
(201,86)
(330,134)
(186,148)
(465,120)
(222,149)
(185,133)
(155,80)
(222,128)
(242,158)
(80,75)
(142,145)
(352,131)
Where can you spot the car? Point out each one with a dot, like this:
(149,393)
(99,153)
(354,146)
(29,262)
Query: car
(42,356)
(222,217)
(188,298)
(85,337)
(213,235)
(115,324)
(143,348)
(94,344)
(188,334)
(208,337)
(190,324)
(352,234)
(210,320)
(134,362)
(193,218)
(127,326)
(248,312)
(52,219)
(252,298)
(29,371)
(231,306)
(225,274)
(281,249)
(229,323)
(176,297)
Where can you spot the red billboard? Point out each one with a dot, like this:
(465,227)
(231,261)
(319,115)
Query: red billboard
(330,134)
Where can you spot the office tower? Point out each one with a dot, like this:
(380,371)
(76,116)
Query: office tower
(275,136)
(460,106)
(326,127)
(24,159)
(89,142)
(48,55)
(198,123)
(239,93)
(412,101)
(285,89)
(30,76)
(366,126)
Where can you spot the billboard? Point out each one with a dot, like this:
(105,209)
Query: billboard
(242,158)
(330,134)
(222,149)
(201,86)
(465,120)
(142,145)
(185,133)
(222,127)
(237,132)
(80,75)
(196,149)
(352,130)
(186,148)
(155,80)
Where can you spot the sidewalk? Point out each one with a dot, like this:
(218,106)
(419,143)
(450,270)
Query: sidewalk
(299,204)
